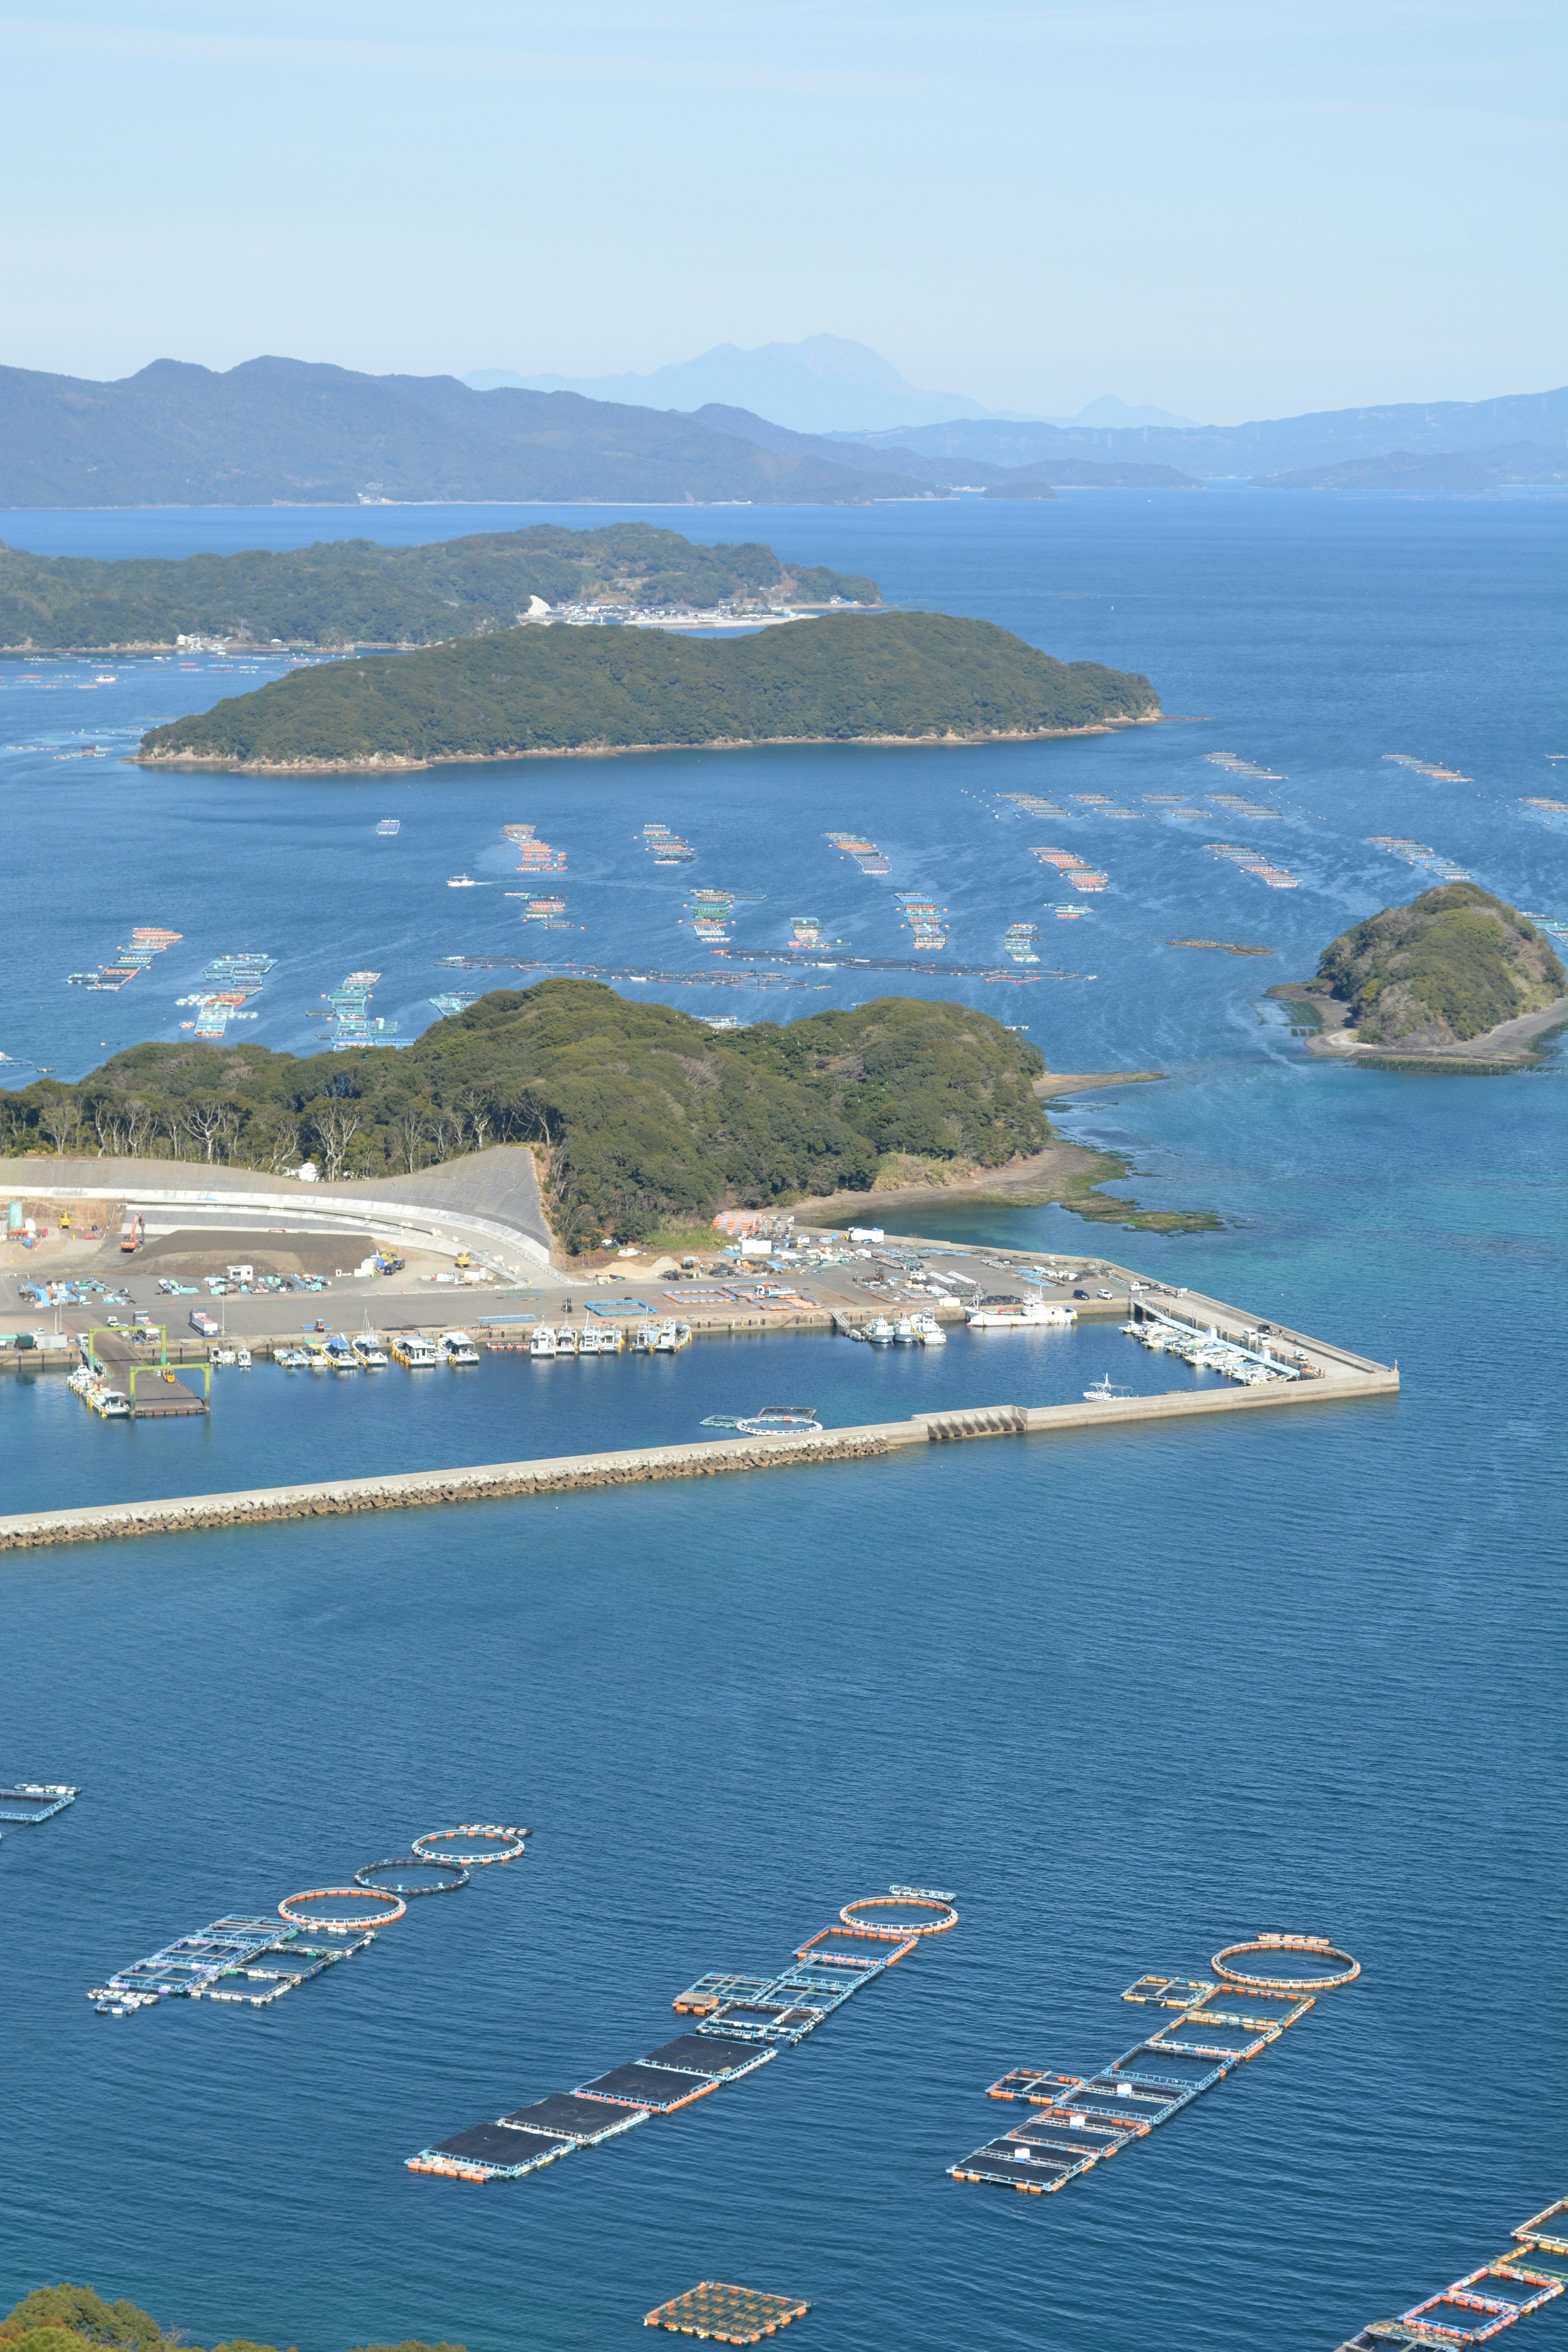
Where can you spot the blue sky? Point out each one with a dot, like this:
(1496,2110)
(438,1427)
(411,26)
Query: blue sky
(1227,210)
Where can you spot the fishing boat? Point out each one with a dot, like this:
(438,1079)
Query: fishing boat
(566,1339)
(643,1339)
(461,882)
(671,1337)
(1008,1314)
(541,1342)
(904,1332)
(1105,1391)
(929,1331)
(457,1347)
(341,1356)
(881,1333)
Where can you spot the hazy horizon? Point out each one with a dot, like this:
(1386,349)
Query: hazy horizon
(1186,204)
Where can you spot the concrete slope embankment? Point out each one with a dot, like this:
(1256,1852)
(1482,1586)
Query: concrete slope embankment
(413,1490)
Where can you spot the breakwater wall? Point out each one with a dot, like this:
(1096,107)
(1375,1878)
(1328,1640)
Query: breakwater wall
(417,1489)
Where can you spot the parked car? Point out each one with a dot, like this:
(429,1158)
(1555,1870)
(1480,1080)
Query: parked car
(1080,1293)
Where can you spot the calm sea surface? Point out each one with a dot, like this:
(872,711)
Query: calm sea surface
(1133,1696)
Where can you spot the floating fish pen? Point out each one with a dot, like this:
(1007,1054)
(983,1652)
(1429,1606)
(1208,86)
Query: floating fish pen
(348,1007)
(1235,805)
(1427,768)
(726,2315)
(147,939)
(1418,854)
(1064,910)
(1031,805)
(1475,2308)
(1552,812)
(388,827)
(1239,767)
(1554,926)
(805,931)
(866,854)
(1251,861)
(246,972)
(1072,868)
(1163,800)
(1219,2022)
(666,849)
(1090,800)
(34,1801)
(215,1009)
(742,2022)
(534,855)
(1019,941)
(926,920)
(454,1001)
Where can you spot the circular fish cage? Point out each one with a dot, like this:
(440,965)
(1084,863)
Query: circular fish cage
(854,1918)
(1344,1970)
(513,1843)
(456,1876)
(332,1924)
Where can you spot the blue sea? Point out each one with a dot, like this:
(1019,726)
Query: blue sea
(1133,1696)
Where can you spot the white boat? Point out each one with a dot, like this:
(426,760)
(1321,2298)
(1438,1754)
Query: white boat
(243,1359)
(541,1342)
(588,1339)
(461,882)
(417,1354)
(881,1333)
(929,1331)
(1105,1391)
(904,1335)
(223,1355)
(670,1338)
(643,1339)
(612,1339)
(457,1347)
(368,1351)
(566,1340)
(1019,1315)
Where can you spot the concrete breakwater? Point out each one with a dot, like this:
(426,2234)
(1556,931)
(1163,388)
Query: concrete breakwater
(412,1490)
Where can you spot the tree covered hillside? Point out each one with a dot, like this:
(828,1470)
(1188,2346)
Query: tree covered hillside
(643,1113)
(848,676)
(1451,965)
(351,592)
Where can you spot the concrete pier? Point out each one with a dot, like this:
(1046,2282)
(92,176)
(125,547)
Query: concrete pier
(413,1490)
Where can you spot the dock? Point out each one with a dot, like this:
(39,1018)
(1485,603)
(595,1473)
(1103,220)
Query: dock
(563,1474)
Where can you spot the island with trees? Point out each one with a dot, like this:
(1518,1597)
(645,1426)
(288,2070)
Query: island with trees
(641,1117)
(345,592)
(1457,979)
(847,677)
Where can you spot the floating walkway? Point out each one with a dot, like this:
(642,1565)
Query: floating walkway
(1350,1380)
(1534,2271)
(743,2023)
(1222,2020)
(34,1801)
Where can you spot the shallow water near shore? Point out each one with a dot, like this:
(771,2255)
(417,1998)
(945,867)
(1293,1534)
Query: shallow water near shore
(1132,1695)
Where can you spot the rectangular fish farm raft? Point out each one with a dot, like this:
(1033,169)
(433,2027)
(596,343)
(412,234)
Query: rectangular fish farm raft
(739,2023)
(1525,2277)
(1219,2022)
(726,2315)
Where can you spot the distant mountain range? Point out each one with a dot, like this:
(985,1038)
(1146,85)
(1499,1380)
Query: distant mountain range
(1220,452)
(825,384)
(278,430)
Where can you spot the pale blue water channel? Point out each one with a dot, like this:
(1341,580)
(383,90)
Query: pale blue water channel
(1133,1695)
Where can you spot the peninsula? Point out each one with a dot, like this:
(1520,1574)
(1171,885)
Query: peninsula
(641,1119)
(346,593)
(848,678)
(1457,979)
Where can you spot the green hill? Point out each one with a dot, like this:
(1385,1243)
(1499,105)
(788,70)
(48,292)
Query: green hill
(1453,964)
(350,591)
(645,1114)
(851,676)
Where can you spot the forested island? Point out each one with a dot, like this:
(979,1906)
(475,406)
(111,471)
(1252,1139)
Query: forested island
(76,2319)
(898,677)
(1455,969)
(641,1114)
(345,592)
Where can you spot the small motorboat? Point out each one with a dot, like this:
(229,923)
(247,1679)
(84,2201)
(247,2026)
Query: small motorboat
(541,1342)
(881,1333)
(929,1331)
(904,1334)
(1105,1391)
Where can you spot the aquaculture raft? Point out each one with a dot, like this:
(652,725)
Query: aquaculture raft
(1478,2307)
(1221,2022)
(744,2022)
(34,1801)
(726,2315)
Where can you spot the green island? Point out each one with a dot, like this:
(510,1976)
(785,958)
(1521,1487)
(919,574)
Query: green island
(72,2318)
(1455,969)
(344,592)
(642,1119)
(849,677)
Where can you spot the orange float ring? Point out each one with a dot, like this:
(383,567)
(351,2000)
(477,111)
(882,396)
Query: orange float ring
(907,1928)
(334,1927)
(1318,1946)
